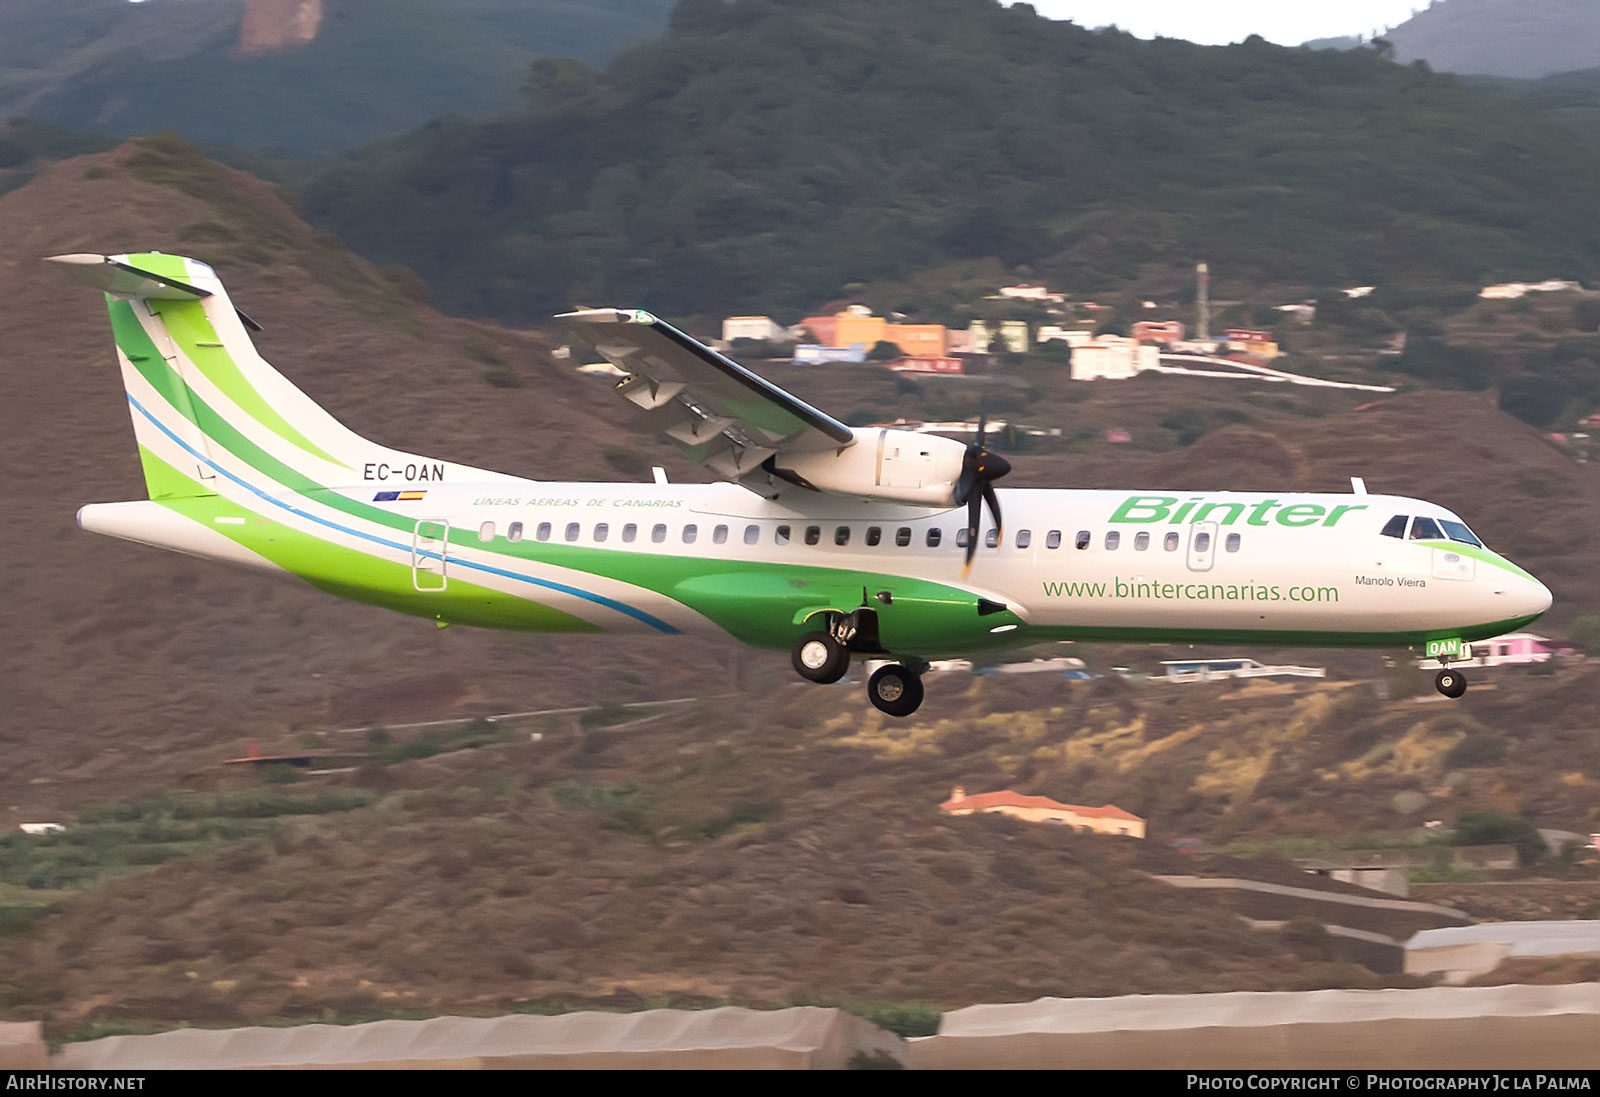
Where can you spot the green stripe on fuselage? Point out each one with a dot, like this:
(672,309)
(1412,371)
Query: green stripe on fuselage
(364,577)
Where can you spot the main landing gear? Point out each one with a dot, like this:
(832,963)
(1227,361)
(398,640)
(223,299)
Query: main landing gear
(1451,683)
(894,688)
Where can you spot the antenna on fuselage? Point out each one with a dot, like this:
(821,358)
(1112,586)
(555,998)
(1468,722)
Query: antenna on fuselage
(1358,486)
(659,473)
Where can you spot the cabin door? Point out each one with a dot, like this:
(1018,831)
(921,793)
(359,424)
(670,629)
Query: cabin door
(430,555)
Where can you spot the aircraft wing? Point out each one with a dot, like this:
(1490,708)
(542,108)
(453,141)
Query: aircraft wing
(724,416)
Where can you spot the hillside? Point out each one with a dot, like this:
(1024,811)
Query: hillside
(766,842)
(767,156)
(1571,98)
(97,626)
(374,68)
(1522,38)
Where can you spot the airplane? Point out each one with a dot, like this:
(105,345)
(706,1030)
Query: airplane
(836,543)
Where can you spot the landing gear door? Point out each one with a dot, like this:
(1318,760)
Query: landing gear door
(430,555)
(1202,546)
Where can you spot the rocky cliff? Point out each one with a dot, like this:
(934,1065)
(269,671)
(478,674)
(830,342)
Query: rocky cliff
(270,25)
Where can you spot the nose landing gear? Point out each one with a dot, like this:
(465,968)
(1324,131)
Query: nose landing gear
(1451,683)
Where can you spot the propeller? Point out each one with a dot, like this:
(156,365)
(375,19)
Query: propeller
(980,468)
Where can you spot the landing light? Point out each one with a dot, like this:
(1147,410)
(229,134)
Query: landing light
(1002,628)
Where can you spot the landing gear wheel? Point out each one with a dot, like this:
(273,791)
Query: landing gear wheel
(1451,683)
(818,657)
(895,689)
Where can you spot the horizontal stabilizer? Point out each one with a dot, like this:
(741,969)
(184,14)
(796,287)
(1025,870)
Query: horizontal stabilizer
(127,282)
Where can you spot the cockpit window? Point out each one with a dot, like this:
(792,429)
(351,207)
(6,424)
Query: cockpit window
(1458,532)
(1426,529)
(1396,526)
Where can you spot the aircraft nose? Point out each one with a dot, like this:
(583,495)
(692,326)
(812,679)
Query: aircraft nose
(1536,597)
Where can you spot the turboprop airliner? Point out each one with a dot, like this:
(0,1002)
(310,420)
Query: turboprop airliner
(835,543)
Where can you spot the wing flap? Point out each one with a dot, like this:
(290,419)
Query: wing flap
(722,414)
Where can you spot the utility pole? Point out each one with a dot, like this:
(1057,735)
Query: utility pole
(1202,275)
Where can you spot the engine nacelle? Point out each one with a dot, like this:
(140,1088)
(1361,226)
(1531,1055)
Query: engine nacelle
(902,465)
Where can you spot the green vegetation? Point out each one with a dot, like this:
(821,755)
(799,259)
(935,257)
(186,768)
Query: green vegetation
(123,835)
(1481,828)
(767,155)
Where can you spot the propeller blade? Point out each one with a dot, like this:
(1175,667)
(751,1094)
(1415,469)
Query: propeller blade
(974,517)
(993,499)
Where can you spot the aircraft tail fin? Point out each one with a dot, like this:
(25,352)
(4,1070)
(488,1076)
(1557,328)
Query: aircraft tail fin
(203,401)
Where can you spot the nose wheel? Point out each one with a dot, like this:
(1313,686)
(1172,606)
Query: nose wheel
(1451,683)
(895,689)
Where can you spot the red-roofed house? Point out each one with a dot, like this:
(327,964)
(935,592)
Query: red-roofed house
(1108,819)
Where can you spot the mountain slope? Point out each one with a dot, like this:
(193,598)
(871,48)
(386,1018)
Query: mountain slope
(127,665)
(769,842)
(768,155)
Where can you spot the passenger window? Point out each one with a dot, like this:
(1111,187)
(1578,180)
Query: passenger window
(1084,537)
(719,535)
(1396,526)
(752,535)
(780,535)
(1052,540)
(1202,542)
(658,533)
(690,532)
(991,539)
(874,536)
(813,534)
(1024,538)
(514,532)
(602,530)
(961,537)
(629,532)
(572,531)
(934,537)
(1426,529)
(543,532)
(902,536)
(486,532)
(1170,541)
(841,535)
(1141,540)
(1232,543)
(1113,539)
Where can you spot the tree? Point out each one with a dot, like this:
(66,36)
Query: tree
(885,351)
(1485,828)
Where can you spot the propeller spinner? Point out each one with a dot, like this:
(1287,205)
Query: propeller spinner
(980,468)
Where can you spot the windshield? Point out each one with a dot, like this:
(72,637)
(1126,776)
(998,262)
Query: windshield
(1458,532)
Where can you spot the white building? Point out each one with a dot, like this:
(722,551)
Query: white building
(1031,293)
(1114,357)
(1073,337)
(753,327)
(1014,332)
(1510,291)
(1213,670)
